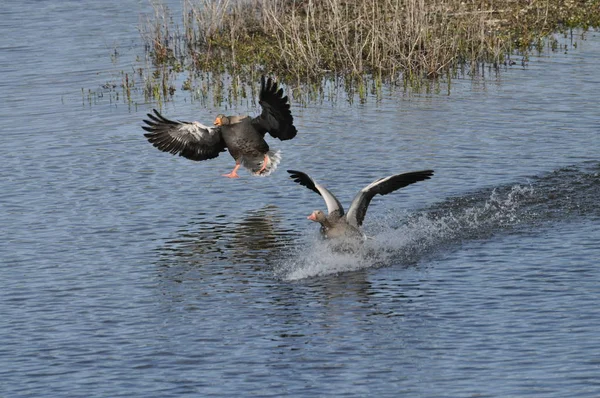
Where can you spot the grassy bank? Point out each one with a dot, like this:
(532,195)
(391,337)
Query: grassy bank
(306,41)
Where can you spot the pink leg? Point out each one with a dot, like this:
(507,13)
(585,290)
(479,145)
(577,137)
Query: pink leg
(233,173)
(264,166)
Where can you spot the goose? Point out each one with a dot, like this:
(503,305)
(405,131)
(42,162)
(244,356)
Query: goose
(243,136)
(337,224)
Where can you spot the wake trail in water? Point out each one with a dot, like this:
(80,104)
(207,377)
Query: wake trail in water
(559,196)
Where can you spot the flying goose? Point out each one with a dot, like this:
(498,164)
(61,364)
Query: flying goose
(243,136)
(338,224)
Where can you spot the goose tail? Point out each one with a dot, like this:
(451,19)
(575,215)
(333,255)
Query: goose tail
(254,164)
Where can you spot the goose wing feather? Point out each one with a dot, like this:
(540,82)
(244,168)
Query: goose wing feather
(276,117)
(334,207)
(191,140)
(382,186)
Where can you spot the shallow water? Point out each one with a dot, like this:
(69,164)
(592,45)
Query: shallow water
(129,272)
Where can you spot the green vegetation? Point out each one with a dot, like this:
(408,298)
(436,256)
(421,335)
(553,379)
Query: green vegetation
(360,42)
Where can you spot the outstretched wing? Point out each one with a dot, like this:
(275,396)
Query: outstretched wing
(382,186)
(191,140)
(333,205)
(276,117)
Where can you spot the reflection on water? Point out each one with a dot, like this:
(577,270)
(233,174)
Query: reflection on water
(208,238)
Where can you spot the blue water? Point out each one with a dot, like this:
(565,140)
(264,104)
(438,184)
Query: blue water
(129,272)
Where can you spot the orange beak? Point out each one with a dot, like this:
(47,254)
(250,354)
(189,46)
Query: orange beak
(218,122)
(312,217)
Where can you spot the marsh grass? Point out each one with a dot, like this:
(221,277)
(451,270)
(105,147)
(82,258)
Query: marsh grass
(359,44)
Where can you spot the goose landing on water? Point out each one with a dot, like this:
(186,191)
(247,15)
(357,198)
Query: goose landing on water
(243,136)
(337,224)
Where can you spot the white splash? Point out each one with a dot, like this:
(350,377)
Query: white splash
(408,239)
(253,165)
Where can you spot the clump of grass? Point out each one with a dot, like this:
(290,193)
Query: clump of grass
(406,41)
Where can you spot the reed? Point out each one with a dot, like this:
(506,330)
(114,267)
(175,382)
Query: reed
(396,41)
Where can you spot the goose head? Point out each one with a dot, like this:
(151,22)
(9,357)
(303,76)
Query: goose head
(318,216)
(222,120)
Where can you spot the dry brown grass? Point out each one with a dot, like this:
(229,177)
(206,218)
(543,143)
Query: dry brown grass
(391,40)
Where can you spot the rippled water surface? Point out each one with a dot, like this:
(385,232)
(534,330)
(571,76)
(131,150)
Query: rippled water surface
(129,272)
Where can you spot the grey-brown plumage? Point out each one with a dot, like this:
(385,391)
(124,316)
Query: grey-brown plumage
(243,136)
(337,223)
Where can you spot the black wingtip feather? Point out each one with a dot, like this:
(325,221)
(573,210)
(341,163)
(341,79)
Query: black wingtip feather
(303,179)
(400,181)
(160,118)
(276,117)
